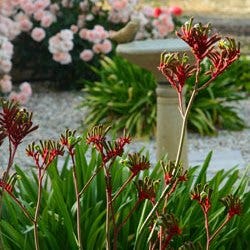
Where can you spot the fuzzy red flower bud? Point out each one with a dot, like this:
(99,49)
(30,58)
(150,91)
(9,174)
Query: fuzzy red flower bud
(233,205)
(146,189)
(137,163)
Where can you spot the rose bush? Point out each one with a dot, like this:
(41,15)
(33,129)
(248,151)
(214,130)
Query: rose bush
(59,40)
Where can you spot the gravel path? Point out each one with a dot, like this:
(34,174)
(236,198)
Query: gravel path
(56,111)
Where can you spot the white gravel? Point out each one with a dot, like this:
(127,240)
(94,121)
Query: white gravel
(56,111)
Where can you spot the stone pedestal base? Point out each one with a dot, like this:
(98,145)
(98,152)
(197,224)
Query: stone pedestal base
(169,122)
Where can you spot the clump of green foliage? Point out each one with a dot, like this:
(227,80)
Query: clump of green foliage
(125,95)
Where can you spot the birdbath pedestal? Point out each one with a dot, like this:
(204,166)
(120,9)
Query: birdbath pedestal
(146,54)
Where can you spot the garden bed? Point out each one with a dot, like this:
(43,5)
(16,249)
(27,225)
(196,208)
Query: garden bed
(55,111)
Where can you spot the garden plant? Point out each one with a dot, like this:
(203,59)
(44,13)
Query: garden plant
(133,106)
(104,198)
(58,40)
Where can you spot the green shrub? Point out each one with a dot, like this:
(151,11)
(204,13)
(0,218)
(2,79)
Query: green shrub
(125,95)
(58,209)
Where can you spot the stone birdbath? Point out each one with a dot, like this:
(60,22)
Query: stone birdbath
(146,54)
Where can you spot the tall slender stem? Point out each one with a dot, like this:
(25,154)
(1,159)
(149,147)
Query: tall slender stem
(90,180)
(166,189)
(123,186)
(78,208)
(219,228)
(108,206)
(206,228)
(37,210)
(183,128)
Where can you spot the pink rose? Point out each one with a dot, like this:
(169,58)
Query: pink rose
(83,33)
(25,24)
(38,34)
(26,89)
(38,15)
(97,48)
(5,66)
(62,57)
(5,84)
(106,46)
(19,97)
(47,20)
(74,28)
(41,4)
(86,55)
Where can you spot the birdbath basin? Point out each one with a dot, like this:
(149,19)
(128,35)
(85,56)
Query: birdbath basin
(146,54)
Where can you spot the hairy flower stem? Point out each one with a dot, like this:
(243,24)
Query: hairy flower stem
(183,128)
(78,208)
(90,180)
(168,195)
(40,179)
(219,228)
(206,228)
(123,186)
(178,157)
(12,152)
(109,206)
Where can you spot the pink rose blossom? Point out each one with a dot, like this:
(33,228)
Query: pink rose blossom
(62,57)
(41,4)
(26,89)
(5,84)
(74,28)
(97,48)
(19,97)
(38,15)
(47,20)
(5,66)
(28,7)
(84,6)
(66,34)
(119,4)
(106,46)
(54,8)
(38,34)
(83,33)
(25,24)
(86,55)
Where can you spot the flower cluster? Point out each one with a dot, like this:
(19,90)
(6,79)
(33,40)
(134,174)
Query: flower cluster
(15,123)
(137,163)
(121,10)
(233,205)
(203,195)
(60,45)
(98,36)
(44,153)
(147,189)
(108,149)
(91,22)
(6,52)
(220,52)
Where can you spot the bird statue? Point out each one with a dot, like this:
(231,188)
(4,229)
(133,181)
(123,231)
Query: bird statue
(127,33)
